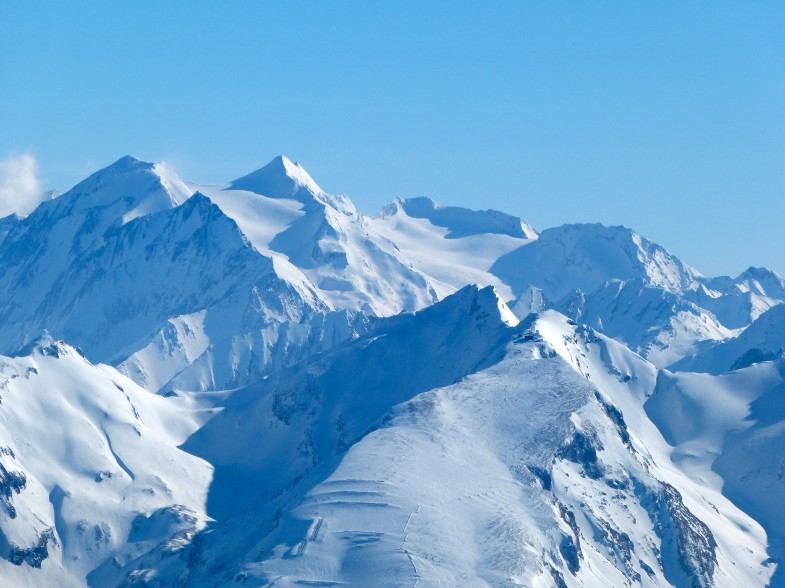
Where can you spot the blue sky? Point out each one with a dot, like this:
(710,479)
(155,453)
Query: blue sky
(668,117)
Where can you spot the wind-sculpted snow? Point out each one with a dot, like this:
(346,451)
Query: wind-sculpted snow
(85,453)
(674,326)
(585,257)
(731,429)
(304,395)
(453,447)
(461,222)
(763,340)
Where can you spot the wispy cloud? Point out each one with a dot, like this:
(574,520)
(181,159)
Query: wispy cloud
(20,190)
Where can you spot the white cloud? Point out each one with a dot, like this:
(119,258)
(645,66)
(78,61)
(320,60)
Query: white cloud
(20,190)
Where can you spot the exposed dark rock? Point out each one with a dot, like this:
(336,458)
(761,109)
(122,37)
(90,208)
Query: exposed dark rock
(571,553)
(582,449)
(570,547)
(616,417)
(623,547)
(557,577)
(646,568)
(754,355)
(33,556)
(10,483)
(543,475)
(290,401)
(685,534)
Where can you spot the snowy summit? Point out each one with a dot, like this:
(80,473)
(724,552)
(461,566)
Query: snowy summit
(253,383)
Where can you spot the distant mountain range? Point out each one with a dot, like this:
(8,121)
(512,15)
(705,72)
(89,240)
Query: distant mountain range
(256,384)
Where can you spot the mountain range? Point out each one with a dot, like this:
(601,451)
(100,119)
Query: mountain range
(255,384)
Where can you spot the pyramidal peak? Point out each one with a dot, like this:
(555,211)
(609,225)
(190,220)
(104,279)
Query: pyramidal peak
(281,178)
(123,190)
(129,174)
(125,164)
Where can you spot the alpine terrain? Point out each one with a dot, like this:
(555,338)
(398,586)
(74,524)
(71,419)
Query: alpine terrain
(256,384)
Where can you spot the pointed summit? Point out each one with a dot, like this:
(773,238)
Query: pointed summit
(128,163)
(131,174)
(281,178)
(124,190)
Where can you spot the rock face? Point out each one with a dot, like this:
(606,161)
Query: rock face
(256,384)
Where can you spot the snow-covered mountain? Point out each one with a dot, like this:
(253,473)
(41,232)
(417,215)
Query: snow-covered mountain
(763,340)
(254,383)
(635,291)
(730,430)
(740,300)
(90,470)
(452,246)
(200,291)
(458,447)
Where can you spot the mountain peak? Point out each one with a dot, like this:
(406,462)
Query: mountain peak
(479,303)
(43,343)
(125,190)
(758,273)
(127,163)
(281,178)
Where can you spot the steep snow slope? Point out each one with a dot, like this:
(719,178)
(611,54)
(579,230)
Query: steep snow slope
(624,285)
(182,295)
(584,257)
(454,447)
(452,246)
(658,324)
(739,301)
(90,473)
(731,428)
(285,214)
(7,224)
(636,291)
(61,231)
(763,340)
(113,299)
(133,269)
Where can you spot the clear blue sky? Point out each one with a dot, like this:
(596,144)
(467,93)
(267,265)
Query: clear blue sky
(665,116)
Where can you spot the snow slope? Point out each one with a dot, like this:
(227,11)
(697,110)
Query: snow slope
(739,301)
(652,321)
(617,281)
(456,447)
(90,473)
(213,291)
(452,246)
(763,340)
(300,394)
(731,429)
(136,271)
(285,214)
(585,257)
